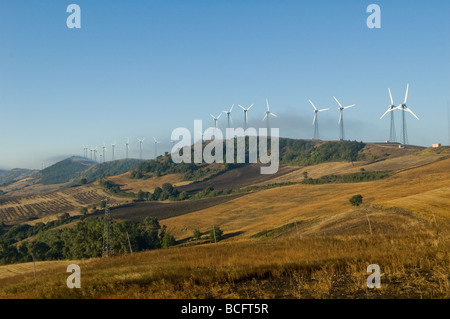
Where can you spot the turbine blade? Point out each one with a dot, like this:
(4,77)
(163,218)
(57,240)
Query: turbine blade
(323,110)
(409,110)
(406,95)
(250,107)
(219,115)
(264,117)
(267,102)
(314,120)
(340,117)
(273,114)
(388,110)
(392,100)
(312,105)
(241,107)
(347,107)
(231,107)
(337,101)
(212,116)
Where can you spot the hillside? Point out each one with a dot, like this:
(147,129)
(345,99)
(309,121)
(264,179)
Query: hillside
(16,174)
(64,171)
(297,241)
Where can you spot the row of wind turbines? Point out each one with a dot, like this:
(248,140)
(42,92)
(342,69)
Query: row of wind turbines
(102,156)
(94,156)
(229,118)
(392,107)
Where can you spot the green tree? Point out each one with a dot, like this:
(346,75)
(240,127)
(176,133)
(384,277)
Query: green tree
(215,234)
(39,250)
(197,235)
(167,240)
(356,200)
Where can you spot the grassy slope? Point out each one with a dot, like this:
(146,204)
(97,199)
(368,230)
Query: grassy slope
(324,256)
(278,206)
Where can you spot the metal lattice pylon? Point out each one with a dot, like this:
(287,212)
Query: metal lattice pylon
(107,232)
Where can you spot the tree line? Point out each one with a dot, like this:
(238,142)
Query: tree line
(24,243)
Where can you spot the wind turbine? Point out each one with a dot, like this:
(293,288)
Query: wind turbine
(140,148)
(391,108)
(245,114)
(95,153)
(268,114)
(341,118)
(104,150)
(85,151)
(316,120)
(112,146)
(405,108)
(91,150)
(156,145)
(228,113)
(127,147)
(215,119)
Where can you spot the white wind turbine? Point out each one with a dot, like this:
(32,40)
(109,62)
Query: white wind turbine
(156,146)
(103,152)
(405,108)
(268,114)
(245,114)
(112,146)
(316,120)
(341,118)
(215,119)
(140,148)
(391,108)
(127,148)
(228,113)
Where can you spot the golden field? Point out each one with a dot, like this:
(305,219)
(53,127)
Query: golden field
(297,241)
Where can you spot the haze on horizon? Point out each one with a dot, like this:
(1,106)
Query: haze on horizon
(138,70)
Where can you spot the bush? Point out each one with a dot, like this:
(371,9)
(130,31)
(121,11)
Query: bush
(356,200)
(197,234)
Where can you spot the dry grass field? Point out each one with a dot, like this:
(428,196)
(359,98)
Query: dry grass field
(47,206)
(413,264)
(296,241)
(147,185)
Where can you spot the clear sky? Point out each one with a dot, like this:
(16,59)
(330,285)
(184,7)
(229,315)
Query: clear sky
(138,69)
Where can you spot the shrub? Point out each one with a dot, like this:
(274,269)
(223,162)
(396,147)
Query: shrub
(356,200)
(197,234)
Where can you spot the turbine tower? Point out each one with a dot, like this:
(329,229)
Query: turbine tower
(127,148)
(228,113)
(245,114)
(95,153)
(104,150)
(140,148)
(215,119)
(268,114)
(316,120)
(391,108)
(112,146)
(405,108)
(341,118)
(156,146)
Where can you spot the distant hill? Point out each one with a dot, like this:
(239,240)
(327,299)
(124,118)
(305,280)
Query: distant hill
(64,171)
(14,175)
(75,168)
(109,169)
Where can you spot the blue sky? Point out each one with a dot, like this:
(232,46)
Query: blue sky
(138,69)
